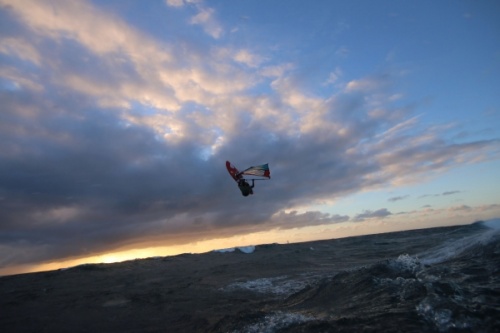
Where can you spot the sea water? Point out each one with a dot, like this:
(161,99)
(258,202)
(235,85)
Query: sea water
(432,280)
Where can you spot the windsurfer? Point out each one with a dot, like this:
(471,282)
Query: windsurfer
(245,188)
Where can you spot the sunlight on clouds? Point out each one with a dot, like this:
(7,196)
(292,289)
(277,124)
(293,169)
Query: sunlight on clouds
(292,95)
(396,97)
(121,96)
(20,48)
(56,215)
(162,87)
(364,85)
(242,56)
(175,3)
(63,214)
(205,87)
(95,88)
(249,59)
(277,70)
(398,128)
(167,126)
(18,80)
(269,113)
(102,34)
(210,150)
(205,18)
(99,32)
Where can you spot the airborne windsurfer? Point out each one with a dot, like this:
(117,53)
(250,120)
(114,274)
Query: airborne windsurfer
(244,187)
(261,171)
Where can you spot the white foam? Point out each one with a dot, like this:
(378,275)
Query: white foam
(456,247)
(281,285)
(406,262)
(434,309)
(247,249)
(232,249)
(244,249)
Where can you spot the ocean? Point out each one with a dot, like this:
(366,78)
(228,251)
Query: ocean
(443,279)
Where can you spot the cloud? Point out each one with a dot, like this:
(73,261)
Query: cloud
(450,192)
(248,58)
(294,219)
(398,198)
(446,193)
(112,138)
(361,85)
(180,3)
(277,70)
(427,216)
(461,208)
(206,18)
(21,49)
(175,3)
(369,214)
(342,52)
(334,76)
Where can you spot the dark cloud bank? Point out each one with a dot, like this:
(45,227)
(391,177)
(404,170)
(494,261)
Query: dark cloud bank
(75,181)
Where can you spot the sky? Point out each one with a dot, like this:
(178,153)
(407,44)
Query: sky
(117,118)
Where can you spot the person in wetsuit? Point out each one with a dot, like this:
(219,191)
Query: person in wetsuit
(245,188)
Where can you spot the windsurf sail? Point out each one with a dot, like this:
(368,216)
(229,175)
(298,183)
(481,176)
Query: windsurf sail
(258,171)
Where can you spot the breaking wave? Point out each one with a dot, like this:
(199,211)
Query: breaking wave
(452,286)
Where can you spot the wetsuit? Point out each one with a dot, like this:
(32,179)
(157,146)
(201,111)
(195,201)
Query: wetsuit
(245,188)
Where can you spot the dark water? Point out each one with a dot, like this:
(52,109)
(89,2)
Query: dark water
(433,280)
